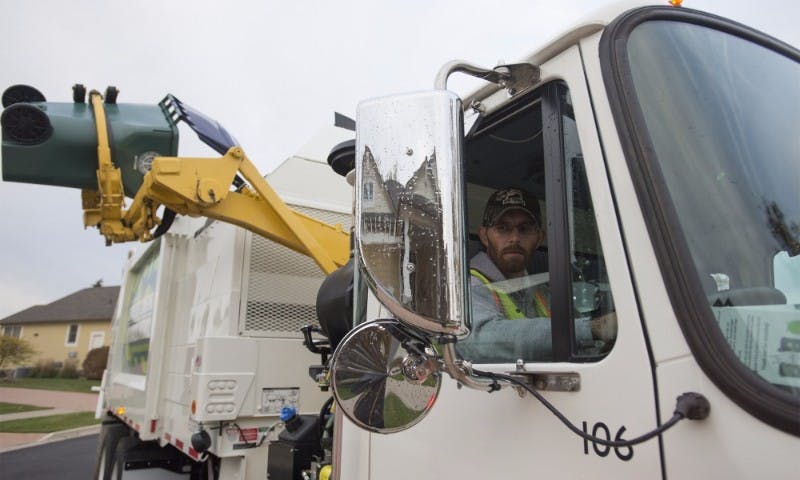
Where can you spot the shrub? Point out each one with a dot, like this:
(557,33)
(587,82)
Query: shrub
(45,369)
(69,370)
(95,363)
(15,350)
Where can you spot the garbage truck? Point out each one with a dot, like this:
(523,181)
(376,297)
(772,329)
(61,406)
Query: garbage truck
(659,146)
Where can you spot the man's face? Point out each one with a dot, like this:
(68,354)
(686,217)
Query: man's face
(511,241)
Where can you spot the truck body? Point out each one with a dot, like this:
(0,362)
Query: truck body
(207,328)
(661,146)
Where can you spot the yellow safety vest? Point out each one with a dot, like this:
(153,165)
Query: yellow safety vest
(507,305)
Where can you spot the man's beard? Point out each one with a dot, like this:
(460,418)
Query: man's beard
(514,265)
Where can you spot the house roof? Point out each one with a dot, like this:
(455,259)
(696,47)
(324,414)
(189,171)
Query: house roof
(94,303)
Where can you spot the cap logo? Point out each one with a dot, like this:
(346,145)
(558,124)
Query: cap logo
(502,201)
(510,197)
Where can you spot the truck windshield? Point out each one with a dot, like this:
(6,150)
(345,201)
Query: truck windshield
(722,114)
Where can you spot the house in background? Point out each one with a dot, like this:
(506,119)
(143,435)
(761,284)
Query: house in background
(65,330)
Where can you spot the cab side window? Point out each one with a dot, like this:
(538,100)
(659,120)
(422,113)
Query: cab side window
(528,200)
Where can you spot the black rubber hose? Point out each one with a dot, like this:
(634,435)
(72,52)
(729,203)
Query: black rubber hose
(326,407)
(689,405)
(166,222)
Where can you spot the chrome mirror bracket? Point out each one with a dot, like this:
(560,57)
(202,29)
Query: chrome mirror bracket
(461,371)
(514,77)
(550,381)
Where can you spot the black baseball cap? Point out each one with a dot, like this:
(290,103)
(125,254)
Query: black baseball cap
(508,199)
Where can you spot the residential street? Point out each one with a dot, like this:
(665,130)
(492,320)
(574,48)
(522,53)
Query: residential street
(60,402)
(67,455)
(71,459)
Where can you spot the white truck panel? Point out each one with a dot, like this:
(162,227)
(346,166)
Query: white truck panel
(729,443)
(663,329)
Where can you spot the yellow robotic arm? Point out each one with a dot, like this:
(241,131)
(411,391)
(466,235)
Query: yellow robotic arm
(202,187)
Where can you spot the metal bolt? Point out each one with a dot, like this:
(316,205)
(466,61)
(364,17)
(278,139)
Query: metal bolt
(411,267)
(409,151)
(477,106)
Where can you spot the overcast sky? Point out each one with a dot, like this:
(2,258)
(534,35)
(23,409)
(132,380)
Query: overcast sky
(272,72)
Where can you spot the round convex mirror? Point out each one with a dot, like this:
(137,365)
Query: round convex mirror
(385,378)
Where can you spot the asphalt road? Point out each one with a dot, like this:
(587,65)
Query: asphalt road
(71,459)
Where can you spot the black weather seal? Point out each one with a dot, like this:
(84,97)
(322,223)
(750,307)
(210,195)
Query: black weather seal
(557,228)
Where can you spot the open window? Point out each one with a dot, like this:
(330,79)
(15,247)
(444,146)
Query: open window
(561,307)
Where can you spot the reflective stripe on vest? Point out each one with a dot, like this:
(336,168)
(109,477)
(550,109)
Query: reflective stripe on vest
(504,302)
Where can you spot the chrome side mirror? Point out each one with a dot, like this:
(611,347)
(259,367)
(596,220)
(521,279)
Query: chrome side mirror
(409,231)
(384,377)
(410,237)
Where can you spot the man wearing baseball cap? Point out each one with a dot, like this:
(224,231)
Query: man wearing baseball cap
(510,314)
(510,232)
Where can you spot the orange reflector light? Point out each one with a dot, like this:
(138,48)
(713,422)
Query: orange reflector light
(194,407)
(120,410)
(675,3)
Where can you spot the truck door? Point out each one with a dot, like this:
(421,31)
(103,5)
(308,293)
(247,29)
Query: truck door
(700,130)
(592,351)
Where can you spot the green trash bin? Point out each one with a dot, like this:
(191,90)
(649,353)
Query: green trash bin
(51,143)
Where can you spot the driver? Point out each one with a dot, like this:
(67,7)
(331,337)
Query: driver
(510,308)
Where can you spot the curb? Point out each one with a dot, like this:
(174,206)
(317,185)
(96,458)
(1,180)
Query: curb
(8,417)
(57,437)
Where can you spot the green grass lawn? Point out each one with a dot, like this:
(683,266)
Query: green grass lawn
(48,424)
(18,407)
(61,384)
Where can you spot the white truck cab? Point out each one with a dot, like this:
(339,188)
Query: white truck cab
(661,145)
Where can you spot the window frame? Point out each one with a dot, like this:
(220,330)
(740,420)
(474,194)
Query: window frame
(563,334)
(10,330)
(703,336)
(558,240)
(77,326)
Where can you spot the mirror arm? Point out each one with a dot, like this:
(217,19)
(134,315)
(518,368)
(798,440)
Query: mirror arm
(513,77)
(461,371)
(454,66)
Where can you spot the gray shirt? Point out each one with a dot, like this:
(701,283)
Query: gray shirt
(496,339)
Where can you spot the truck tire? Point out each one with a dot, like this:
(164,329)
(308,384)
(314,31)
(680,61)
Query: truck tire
(110,433)
(208,470)
(123,448)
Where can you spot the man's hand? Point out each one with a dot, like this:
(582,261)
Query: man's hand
(605,327)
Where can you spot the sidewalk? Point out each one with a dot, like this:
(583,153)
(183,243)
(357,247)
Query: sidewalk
(58,402)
